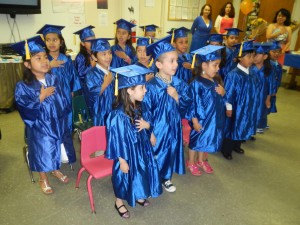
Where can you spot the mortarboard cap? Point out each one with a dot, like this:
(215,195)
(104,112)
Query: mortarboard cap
(160,47)
(48,28)
(233,31)
(142,41)
(263,47)
(99,44)
(29,46)
(150,27)
(207,53)
(124,24)
(275,45)
(244,47)
(85,33)
(178,33)
(129,76)
(216,38)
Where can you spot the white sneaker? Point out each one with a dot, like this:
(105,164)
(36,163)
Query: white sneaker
(169,187)
(260,131)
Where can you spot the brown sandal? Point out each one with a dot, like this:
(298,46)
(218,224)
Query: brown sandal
(64,179)
(47,190)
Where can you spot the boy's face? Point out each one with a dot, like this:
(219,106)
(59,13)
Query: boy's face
(141,54)
(247,60)
(274,54)
(168,64)
(150,34)
(181,45)
(104,58)
(231,40)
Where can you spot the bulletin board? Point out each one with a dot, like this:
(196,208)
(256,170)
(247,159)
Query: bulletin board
(183,10)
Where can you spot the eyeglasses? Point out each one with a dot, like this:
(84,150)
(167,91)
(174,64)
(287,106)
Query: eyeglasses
(52,40)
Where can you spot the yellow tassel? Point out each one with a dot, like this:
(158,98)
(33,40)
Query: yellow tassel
(150,40)
(151,62)
(42,36)
(116,85)
(144,31)
(193,62)
(74,39)
(241,49)
(172,40)
(27,50)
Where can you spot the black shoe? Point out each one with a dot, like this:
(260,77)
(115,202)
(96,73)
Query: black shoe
(125,215)
(145,203)
(227,156)
(252,138)
(239,150)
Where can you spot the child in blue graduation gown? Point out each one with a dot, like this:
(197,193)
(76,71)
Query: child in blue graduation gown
(275,51)
(180,42)
(262,69)
(241,93)
(60,64)
(135,174)
(43,107)
(123,51)
(207,111)
(143,59)
(99,82)
(150,31)
(164,105)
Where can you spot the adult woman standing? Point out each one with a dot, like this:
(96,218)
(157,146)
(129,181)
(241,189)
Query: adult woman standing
(280,30)
(225,18)
(201,28)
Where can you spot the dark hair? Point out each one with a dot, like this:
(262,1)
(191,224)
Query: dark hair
(28,76)
(134,112)
(85,54)
(128,42)
(286,13)
(267,66)
(202,9)
(62,48)
(244,54)
(232,12)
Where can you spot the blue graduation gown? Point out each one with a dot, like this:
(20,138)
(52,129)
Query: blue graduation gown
(100,105)
(46,124)
(266,88)
(123,140)
(164,115)
(241,94)
(68,77)
(200,33)
(81,67)
(208,107)
(181,72)
(119,62)
(230,63)
(277,68)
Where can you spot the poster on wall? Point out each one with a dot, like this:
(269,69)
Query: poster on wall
(71,6)
(102,4)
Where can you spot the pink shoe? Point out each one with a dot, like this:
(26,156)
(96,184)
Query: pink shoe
(193,169)
(205,166)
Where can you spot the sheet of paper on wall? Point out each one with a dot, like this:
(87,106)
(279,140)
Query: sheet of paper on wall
(149,3)
(103,19)
(77,20)
(71,6)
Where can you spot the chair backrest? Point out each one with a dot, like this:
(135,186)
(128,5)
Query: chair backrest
(79,107)
(92,140)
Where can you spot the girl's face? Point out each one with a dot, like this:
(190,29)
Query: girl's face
(122,36)
(137,93)
(280,18)
(215,43)
(104,58)
(181,45)
(227,9)
(231,40)
(259,59)
(247,60)
(168,64)
(206,11)
(53,42)
(211,68)
(274,54)
(150,34)
(39,64)
(141,54)
(87,44)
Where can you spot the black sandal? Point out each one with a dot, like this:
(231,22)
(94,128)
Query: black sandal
(145,203)
(124,215)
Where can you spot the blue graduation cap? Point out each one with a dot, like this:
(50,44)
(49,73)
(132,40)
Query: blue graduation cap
(263,47)
(216,38)
(207,53)
(142,41)
(31,45)
(178,33)
(99,44)
(233,31)
(150,27)
(129,76)
(85,33)
(275,45)
(124,24)
(245,46)
(48,28)
(160,47)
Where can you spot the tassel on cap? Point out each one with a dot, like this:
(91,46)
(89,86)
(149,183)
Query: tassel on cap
(150,40)
(42,36)
(241,49)
(74,39)
(151,62)
(116,85)
(144,31)
(172,40)
(27,53)
(193,61)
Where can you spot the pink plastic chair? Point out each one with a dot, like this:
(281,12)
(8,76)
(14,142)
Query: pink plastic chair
(93,145)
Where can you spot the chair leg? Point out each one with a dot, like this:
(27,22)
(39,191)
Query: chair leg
(71,167)
(90,191)
(79,177)
(25,153)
